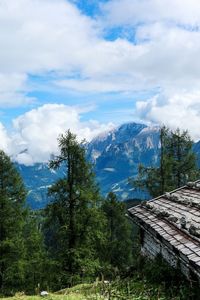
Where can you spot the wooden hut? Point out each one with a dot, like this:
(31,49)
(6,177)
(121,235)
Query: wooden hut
(170,226)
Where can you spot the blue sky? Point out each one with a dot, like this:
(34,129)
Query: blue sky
(114,106)
(90,65)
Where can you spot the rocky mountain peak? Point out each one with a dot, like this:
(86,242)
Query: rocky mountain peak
(115,154)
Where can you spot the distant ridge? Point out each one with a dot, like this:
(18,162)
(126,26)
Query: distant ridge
(115,154)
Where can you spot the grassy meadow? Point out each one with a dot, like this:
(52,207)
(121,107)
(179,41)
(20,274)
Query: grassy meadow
(119,290)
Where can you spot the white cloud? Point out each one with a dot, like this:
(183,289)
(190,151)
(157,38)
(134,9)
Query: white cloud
(36,131)
(176,111)
(138,11)
(13,90)
(167,33)
(5,141)
(37,37)
(165,49)
(41,36)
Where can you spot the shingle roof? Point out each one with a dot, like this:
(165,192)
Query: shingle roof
(175,217)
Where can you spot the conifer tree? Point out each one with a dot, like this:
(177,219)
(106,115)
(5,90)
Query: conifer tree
(184,165)
(22,253)
(74,222)
(35,259)
(177,165)
(117,250)
(12,214)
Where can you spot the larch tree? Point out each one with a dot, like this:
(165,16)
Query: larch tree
(74,223)
(184,166)
(177,164)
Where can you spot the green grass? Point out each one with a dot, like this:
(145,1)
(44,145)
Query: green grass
(49,297)
(134,289)
(78,292)
(70,296)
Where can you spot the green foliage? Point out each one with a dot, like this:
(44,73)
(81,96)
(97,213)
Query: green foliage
(174,284)
(149,280)
(74,223)
(117,251)
(86,237)
(184,166)
(178,164)
(35,259)
(12,214)
(21,253)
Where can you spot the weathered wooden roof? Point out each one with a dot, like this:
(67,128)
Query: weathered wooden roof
(175,218)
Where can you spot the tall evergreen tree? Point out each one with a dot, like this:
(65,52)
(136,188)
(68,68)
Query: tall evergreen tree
(73,220)
(117,250)
(184,159)
(21,242)
(177,165)
(12,214)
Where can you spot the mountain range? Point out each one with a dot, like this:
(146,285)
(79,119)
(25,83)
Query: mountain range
(115,155)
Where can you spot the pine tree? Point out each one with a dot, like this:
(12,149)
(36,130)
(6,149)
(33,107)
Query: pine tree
(178,164)
(117,250)
(73,220)
(12,214)
(184,160)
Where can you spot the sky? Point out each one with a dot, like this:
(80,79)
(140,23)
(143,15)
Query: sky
(89,65)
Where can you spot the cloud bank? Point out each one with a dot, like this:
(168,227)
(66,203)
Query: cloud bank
(156,48)
(34,136)
(39,37)
(179,111)
(167,34)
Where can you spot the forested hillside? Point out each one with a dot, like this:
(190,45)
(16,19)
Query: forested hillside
(81,237)
(76,238)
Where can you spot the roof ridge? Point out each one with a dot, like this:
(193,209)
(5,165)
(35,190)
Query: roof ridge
(173,191)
